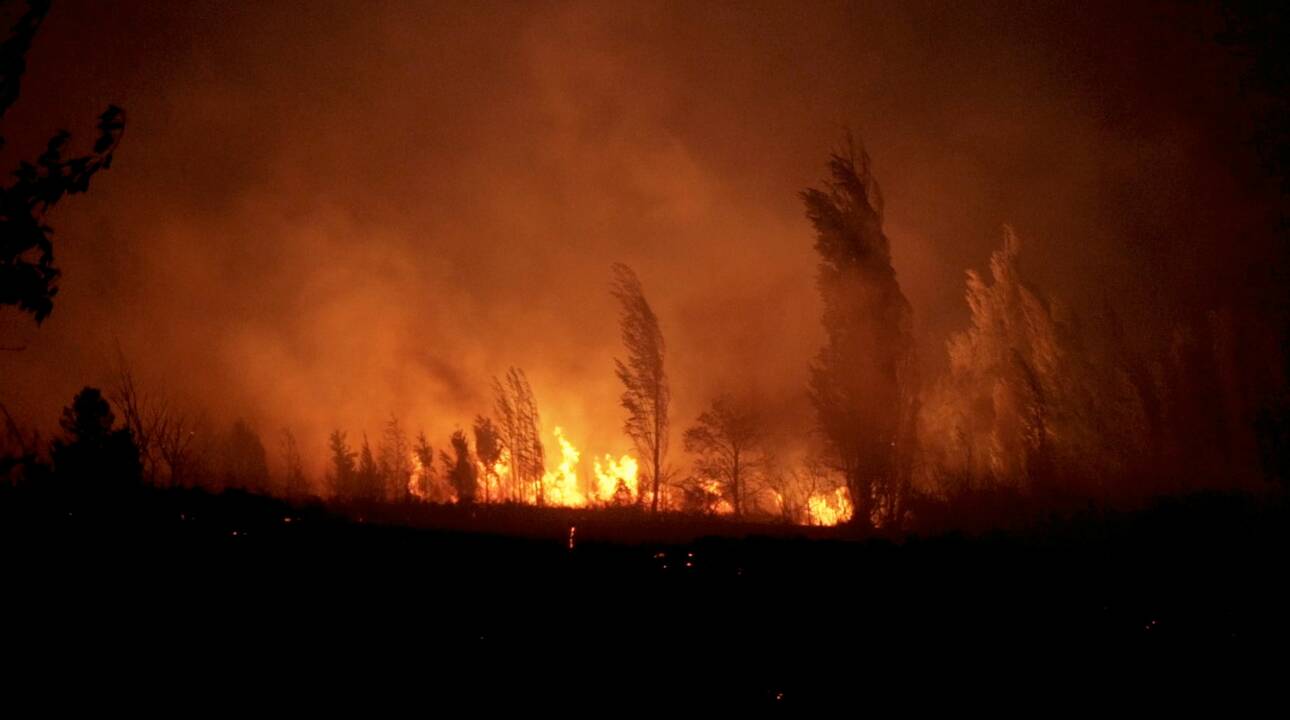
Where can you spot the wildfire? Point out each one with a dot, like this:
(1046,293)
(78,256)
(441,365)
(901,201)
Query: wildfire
(418,484)
(722,505)
(610,481)
(616,479)
(560,486)
(829,508)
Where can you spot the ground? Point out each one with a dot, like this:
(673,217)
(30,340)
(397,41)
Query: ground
(251,590)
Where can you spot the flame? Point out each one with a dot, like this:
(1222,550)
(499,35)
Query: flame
(829,508)
(492,482)
(560,487)
(616,474)
(713,488)
(612,481)
(418,484)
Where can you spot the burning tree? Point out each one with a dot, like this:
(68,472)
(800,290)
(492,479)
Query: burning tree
(520,434)
(646,394)
(863,382)
(726,440)
(488,449)
(1025,399)
(460,469)
(426,486)
(396,461)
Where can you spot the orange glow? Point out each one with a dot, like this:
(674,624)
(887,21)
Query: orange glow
(616,478)
(829,508)
(418,484)
(560,486)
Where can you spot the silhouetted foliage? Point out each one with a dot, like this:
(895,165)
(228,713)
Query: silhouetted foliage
(28,276)
(369,481)
(488,448)
(93,458)
(428,487)
(725,439)
(396,461)
(460,468)
(343,472)
(863,382)
(520,432)
(645,388)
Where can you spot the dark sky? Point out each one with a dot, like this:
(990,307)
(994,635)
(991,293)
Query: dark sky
(325,212)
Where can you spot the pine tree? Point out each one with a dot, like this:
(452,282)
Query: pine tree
(343,471)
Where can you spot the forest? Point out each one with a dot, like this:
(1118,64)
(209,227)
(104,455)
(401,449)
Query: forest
(355,333)
(1038,410)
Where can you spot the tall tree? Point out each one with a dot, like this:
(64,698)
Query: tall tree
(370,481)
(1027,402)
(726,441)
(426,487)
(488,448)
(863,382)
(520,429)
(645,390)
(141,415)
(396,461)
(28,276)
(343,470)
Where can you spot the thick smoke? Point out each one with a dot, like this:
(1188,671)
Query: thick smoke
(325,214)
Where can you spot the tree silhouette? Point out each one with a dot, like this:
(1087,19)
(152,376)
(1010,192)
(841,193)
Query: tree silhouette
(726,438)
(396,461)
(863,382)
(426,475)
(461,471)
(342,475)
(369,481)
(93,457)
(28,276)
(520,429)
(645,389)
(488,448)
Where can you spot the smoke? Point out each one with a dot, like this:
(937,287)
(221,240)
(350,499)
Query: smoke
(328,213)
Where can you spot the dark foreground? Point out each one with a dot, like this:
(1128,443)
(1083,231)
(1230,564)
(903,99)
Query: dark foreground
(244,600)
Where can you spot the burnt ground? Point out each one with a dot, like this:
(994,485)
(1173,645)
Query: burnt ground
(231,596)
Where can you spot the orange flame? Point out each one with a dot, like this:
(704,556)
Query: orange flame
(560,486)
(418,484)
(829,508)
(616,478)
